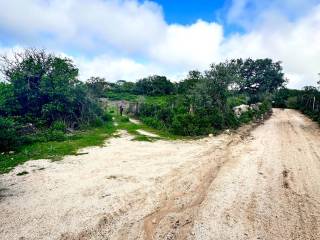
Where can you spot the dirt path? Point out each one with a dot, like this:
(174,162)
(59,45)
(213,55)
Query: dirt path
(271,187)
(254,184)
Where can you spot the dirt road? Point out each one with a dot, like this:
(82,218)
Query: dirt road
(261,183)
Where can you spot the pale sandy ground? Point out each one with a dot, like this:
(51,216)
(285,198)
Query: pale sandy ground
(254,184)
(135,121)
(148,134)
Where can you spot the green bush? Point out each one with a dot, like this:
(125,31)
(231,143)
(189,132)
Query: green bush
(237,100)
(97,122)
(107,117)
(43,88)
(153,122)
(59,126)
(184,124)
(9,137)
(246,117)
(264,107)
(124,119)
(231,121)
(292,102)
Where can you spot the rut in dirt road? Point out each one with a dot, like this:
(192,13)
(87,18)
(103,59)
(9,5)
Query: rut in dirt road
(175,216)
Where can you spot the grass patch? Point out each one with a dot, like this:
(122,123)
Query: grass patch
(142,138)
(132,128)
(55,150)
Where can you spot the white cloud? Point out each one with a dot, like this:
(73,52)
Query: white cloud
(113,68)
(195,45)
(89,25)
(251,13)
(296,44)
(107,37)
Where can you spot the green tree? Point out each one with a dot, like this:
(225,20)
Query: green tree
(124,86)
(155,86)
(209,99)
(47,89)
(97,86)
(8,104)
(259,76)
(190,82)
(212,91)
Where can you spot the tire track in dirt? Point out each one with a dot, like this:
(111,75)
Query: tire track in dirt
(179,218)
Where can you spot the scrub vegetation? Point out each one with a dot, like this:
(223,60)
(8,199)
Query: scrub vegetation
(47,112)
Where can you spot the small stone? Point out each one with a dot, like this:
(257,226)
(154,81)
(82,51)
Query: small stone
(11,152)
(154,221)
(210,135)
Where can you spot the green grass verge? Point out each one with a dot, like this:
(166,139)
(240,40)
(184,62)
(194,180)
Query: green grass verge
(55,150)
(132,128)
(142,138)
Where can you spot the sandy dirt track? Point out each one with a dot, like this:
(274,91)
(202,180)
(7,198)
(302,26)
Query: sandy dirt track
(258,183)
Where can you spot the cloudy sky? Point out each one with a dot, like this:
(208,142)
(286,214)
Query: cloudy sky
(130,39)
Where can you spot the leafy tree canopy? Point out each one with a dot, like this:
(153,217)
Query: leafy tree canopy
(44,88)
(155,86)
(257,76)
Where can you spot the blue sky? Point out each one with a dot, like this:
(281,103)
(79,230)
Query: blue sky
(130,39)
(187,12)
(176,12)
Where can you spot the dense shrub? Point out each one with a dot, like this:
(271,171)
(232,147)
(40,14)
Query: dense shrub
(246,117)
(9,137)
(234,101)
(154,122)
(177,118)
(207,106)
(184,124)
(292,102)
(124,119)
(45,87)
(43,90)
(107,117)
(59,126)
(96,122)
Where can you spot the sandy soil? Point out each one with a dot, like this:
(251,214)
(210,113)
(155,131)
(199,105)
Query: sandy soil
(135,121)
(148,134)
(261,183)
